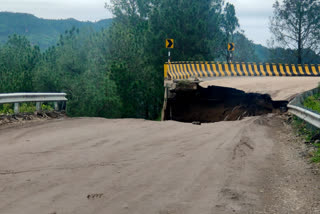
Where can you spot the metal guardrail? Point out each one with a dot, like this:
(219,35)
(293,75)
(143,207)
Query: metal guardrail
(306,115)
(296,107)
(18,98)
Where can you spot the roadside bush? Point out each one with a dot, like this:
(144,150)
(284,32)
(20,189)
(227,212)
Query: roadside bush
(6,109)
(313,102)
(309,133)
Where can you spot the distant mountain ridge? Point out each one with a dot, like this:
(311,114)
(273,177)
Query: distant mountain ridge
(41,32)
(46,32)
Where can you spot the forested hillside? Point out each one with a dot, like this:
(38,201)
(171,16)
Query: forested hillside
(117,72)
(41,32)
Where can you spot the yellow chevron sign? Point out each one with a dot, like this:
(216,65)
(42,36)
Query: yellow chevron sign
(231,47)
(185,70)
(169,43)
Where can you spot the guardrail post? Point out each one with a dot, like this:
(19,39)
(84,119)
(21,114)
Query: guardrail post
(56,106)
(38,106)
(38,98)
(16,108)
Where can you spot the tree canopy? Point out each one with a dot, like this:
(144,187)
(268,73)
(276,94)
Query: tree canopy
(118,71)
(295,25)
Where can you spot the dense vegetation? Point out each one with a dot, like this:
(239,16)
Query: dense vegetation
(311,136)
(310,133)
(295,25)
(307,131)
(118,71)
(41,32)
(313,103)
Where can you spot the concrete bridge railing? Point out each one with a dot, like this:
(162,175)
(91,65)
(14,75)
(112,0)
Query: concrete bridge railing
(18,98)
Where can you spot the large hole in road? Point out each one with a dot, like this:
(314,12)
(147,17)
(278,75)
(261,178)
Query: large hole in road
(214,104)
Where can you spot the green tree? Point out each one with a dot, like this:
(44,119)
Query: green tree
(296,25)
(130,64)
(195,26)
(18,59)
(118,72)
(245,49)
(281,55)
(230,24)
(136,51)
(77,66)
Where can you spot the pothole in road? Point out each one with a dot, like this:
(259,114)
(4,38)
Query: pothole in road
(214,104)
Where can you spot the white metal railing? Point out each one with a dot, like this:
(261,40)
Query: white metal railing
(18,98)
(296,107)
(306,115)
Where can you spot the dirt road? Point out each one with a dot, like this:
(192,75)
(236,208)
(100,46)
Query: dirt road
(93,165)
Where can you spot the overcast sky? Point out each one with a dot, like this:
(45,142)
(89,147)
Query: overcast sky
(253,14)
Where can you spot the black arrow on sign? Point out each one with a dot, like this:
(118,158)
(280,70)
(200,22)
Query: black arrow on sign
(170,43)
(230,47)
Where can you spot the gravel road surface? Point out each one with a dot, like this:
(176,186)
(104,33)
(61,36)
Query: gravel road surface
(95,165)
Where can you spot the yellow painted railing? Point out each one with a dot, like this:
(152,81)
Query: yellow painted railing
(185,70)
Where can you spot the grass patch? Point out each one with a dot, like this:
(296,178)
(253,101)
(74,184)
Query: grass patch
(307,132)
(313,103)
(158,118)
(27,108)
(316,157)
(46,107)
(304,129)
(7,109)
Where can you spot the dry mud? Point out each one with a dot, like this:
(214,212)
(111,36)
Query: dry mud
(134,166)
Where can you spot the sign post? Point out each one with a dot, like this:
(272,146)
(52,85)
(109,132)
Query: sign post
(231,48)
(169,45)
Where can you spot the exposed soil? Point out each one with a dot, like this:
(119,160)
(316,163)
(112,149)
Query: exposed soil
(93,165)
(6,120)
(214,104)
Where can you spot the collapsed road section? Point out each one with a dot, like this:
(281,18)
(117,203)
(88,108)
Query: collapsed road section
(188,102)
